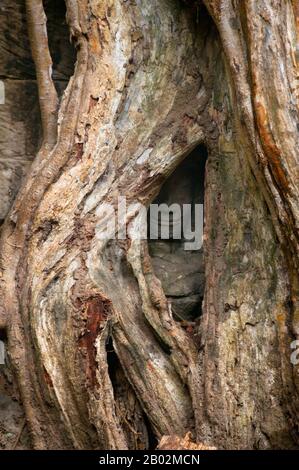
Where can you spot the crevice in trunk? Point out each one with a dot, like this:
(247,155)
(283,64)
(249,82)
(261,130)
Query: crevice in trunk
(165,348)
(61,49)
(180,270)
(3,334)
(132,419)
(152,439)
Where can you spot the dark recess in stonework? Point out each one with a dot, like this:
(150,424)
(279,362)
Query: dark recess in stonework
(182,272)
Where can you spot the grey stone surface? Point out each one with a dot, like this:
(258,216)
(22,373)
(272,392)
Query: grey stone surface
(181,272)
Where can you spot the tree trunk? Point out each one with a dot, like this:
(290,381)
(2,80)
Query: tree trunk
(99,357)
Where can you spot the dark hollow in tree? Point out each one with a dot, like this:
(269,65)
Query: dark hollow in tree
(181,270)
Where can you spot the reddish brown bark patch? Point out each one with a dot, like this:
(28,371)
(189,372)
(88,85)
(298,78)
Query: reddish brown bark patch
(95,311)
(80,151)
(47,378)
(270,148)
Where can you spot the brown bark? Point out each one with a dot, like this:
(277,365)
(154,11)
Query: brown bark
(100,360)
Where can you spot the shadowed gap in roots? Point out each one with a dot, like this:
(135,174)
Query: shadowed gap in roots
(62,51)
(134,422)
(181,271)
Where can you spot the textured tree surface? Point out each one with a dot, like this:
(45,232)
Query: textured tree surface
(100,354)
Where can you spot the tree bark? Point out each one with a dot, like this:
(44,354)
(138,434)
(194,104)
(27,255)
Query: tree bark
(100,360)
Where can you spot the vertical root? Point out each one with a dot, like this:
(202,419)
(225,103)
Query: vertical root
(37,20)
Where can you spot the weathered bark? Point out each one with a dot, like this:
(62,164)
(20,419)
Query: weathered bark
(261,314)
(100,360)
